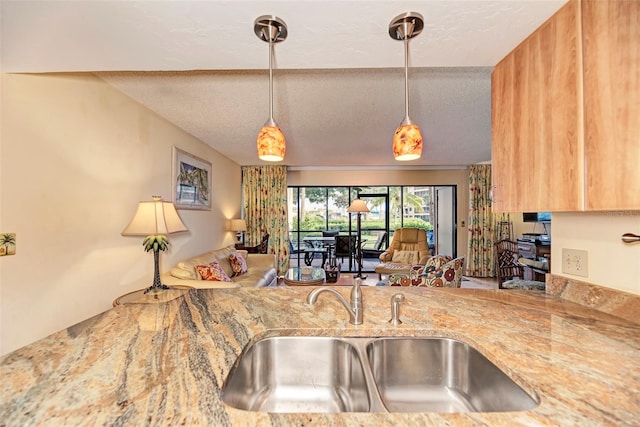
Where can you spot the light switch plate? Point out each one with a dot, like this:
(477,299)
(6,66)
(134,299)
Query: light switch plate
(575,262)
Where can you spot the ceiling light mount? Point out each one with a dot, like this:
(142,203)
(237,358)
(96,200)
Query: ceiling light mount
(407,140)
(406,26)
(271,142)
(270,28)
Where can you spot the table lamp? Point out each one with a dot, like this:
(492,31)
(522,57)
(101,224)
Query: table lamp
(359,206)
(239,226)
(155,219)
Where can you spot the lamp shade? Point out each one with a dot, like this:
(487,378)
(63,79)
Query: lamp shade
(238,225)
(358,205)
(154,217)
(271,144)
(407,142)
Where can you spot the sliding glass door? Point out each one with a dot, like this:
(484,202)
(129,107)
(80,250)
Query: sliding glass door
(445,220)
(320,211)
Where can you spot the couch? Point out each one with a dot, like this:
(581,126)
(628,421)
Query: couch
(439,272)
(260,270)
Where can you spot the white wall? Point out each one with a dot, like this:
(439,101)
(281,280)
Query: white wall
(76,157)
(611,262)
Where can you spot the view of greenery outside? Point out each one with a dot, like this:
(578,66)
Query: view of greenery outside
(314,209)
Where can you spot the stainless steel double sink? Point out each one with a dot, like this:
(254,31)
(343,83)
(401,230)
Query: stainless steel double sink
(301,374)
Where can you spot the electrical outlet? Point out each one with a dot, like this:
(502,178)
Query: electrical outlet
(575,262)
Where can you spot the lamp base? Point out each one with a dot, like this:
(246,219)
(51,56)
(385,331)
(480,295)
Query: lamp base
(240,238)
(155,287)
(157,284)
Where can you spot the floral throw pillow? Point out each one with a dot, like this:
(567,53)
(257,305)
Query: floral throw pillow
(238,264)
(449,275)
(213,272)
(435,263)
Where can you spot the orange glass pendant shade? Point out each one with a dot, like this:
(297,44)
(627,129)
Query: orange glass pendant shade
(407,143)
(271,144)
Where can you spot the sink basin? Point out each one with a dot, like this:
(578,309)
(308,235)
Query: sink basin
(298,374)
(441,375)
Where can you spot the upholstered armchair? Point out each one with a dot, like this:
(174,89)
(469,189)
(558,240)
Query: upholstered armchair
(439,272)
(377,249)
(408,247)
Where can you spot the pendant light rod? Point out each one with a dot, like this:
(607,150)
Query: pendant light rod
(271,121)
(403,28)
(407,120)
(270,29)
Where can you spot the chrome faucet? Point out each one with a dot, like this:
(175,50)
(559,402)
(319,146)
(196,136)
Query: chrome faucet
(355,309)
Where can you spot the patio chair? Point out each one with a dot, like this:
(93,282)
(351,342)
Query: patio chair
(294,248)
(376,250)
(346,246)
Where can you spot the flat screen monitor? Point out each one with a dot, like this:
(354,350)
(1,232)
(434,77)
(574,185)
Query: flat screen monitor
(536,217)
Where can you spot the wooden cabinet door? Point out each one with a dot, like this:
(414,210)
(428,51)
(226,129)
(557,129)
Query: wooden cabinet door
(505,181)
(536,120)
(611,37)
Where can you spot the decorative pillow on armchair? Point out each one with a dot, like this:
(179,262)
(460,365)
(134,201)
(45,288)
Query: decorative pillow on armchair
(448,275)
(436,262)
(213,271)
(405,257)
(238,264)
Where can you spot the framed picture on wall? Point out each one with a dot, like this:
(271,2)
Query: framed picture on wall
(191,181)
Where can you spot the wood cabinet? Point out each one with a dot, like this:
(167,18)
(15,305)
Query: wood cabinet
(611,44)
(535,96)
(565,123)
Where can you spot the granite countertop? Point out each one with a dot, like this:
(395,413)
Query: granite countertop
(162,361)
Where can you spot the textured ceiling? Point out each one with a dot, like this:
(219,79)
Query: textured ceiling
(338,84)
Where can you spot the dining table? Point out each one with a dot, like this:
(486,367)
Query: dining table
(323,245)
(319,244)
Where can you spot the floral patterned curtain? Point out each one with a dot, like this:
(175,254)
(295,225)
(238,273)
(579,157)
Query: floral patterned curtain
(265,209)
(480,250)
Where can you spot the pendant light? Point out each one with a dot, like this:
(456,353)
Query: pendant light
(271,142)
(407,141)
